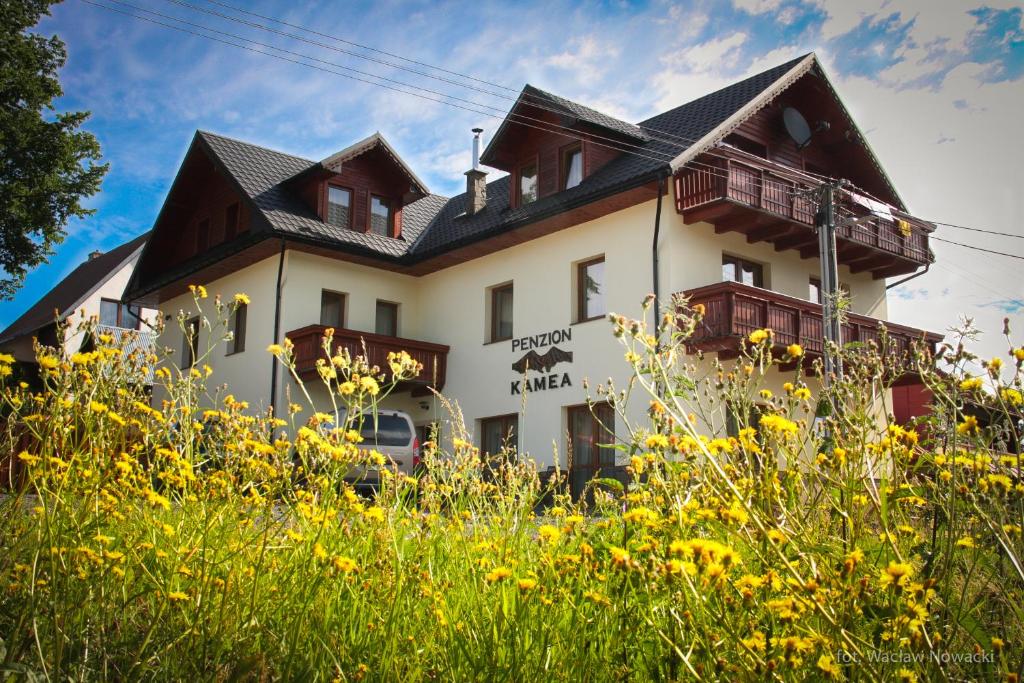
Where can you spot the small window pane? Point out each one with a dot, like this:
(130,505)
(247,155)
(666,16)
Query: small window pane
(814,291)
(527,184)
(573,168)
(332,309)
(387,318)
(750,274)
(339,203)
(108,312)
(496,432)
(591,284)
(131,317)
(380,216)
(502,312)
(237,327)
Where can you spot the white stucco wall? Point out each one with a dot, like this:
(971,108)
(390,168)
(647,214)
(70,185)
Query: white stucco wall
(450,306)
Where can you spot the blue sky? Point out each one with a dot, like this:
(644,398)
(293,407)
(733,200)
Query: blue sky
(936,89)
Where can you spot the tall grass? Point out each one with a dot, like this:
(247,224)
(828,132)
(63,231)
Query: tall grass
(197,540)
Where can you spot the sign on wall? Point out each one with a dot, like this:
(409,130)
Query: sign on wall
(541,363)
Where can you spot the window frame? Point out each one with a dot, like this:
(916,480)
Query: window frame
(190,347)
(494,331)
(344,307)
(509,422)
(389,227)
(231,227)
(351,205)
(376,321)
(239,317)
(564,153)
(581,302)
(518,194)
(602,435)
(739,261)
(122,308)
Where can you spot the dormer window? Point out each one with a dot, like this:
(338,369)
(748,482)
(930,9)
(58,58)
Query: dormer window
(527,183)
(572,166)
(381,216)
(339,207)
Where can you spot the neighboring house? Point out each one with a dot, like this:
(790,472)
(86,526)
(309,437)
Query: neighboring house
(94,289)
(502,291)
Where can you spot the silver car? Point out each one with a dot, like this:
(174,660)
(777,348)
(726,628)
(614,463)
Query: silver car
(390,432)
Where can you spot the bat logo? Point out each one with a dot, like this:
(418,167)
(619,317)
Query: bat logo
(542,363)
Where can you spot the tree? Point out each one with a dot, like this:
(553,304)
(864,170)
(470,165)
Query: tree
(47,165)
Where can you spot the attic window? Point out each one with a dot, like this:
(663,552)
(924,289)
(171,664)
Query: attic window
(572,166)
(527,184)
(231,221)
(380,216)
(339,207)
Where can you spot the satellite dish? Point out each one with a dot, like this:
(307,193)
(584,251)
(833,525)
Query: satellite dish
(796,127)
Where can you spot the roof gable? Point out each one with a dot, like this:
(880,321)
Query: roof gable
(77,286)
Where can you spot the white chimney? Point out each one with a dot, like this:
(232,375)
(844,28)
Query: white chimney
(476,180)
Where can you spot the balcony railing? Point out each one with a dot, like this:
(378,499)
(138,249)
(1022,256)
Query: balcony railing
(308,347)
(733,310)
(767,201)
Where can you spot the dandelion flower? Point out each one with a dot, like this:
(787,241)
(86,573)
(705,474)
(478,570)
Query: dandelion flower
(758,336)
(177,595)
(795,350)
(498,574)
(275,349)
(242,299)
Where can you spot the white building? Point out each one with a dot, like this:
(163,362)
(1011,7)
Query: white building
(705,198)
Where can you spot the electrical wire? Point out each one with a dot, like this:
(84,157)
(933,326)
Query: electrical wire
(964,227)
(971,246)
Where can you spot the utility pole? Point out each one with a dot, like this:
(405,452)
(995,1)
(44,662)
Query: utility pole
(825,221)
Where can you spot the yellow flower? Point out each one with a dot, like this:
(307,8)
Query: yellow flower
(758,336)
(897,574)
(971,384)
(242,299)
(620,556)
(778,424)
(965,542)
(498,574)
(803,393)
(657,441)
(177,595)
(198,290)
(968,426)
(369,385)
(795,350)
(527,584)
(549,533)
(275,349)
(319,552)
(1011,396)
(1019,354)
(346,388)
(345,565)
(48,362)
(829,667)
(6,358)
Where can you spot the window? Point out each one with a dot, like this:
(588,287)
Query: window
(527,184)
(116,314)
(339,207)
(387,318)
(496,432)
(332,309)
(590,432)
(380,216)
(501,313)
(231,221)
(190,346)
(572,166)
(237,327)
(384,429)
(203,235)
(590,289)
(815,295)
(814,291)
(738,270)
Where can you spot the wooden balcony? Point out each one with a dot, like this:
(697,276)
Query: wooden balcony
(308,347)
(733,310)
(762,200)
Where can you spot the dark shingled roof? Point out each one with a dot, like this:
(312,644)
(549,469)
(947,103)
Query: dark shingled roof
(69,292)
(435,224)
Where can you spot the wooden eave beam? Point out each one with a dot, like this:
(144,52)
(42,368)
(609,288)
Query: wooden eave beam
(795,241)
(770,232)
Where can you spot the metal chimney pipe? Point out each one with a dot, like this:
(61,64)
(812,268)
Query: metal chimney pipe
(476,148)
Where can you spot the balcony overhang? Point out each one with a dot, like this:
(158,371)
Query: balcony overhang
(769,202)
(733,310)
(308,348)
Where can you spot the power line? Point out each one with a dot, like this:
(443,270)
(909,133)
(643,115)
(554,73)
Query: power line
(971,246)
(404,88)
(987,232)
